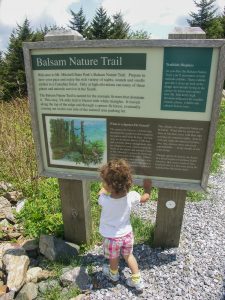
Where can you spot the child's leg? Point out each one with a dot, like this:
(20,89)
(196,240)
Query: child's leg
(132,263)
(127,252)
(111,251)
(113,263)
(135,279)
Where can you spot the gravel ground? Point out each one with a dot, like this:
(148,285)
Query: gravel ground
(195,270)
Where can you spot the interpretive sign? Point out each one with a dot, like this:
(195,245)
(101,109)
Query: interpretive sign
(154,103)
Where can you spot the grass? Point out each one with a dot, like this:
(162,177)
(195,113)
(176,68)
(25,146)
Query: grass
(218,153)
(55,293)
(219,144)
(42,212)
(17,155)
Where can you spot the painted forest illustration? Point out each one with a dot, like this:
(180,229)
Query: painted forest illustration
(79,141)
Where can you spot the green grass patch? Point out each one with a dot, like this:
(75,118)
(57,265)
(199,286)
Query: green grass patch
(42,211)
(195,196)
(143,230)
(17,154)
(219,144)
(55,293)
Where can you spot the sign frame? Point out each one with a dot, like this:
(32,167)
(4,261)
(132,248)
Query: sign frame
(142,45)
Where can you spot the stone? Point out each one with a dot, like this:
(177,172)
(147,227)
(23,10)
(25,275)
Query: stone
(36,274)
(57,249)
(80,297)
(4,186)
(14,196)
(30,245)
(6,210)
(20,204)
(28,292)
(8,296)
(16,264)
(3,290)
(33,274)
(44,286)
(13,235)
(77,276)
(4,247)
(4,223)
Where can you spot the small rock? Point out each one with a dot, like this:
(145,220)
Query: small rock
(13,235)
(36,274)
(44,286)
(13,197)
(4,186)
(20,204)
(77,276)
(28,292)
(16,265)
(57,249)
(33,274)
(6,210)
(3,290)
(80,297)
(29,245)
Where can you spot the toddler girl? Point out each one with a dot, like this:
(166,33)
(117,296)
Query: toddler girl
(115,226)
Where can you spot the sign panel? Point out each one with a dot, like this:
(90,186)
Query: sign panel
(151,104)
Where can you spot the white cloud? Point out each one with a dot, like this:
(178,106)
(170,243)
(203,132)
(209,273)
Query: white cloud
(163,12)
(14,12)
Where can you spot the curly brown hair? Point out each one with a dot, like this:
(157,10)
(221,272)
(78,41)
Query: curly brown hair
(117,174)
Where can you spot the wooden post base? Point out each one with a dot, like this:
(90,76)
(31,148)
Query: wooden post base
(76,210)
(169,218)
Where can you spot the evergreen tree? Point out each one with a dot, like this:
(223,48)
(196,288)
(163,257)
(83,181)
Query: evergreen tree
(39,34)
(139,35)
(222,22)
(119,28)
(1,73)
(100,25)
(13,78)
(205,15)
(79,22)
(215,30)
(12,74)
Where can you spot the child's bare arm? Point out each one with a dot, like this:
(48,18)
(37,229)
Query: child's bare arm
(147,186)
(102,191)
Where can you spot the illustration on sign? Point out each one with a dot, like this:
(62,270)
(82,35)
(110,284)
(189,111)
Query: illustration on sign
(74,141)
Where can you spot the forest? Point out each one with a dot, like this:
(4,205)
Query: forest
(71,143)
(12,72)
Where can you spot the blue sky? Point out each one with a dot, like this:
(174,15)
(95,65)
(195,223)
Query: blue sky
(157,17)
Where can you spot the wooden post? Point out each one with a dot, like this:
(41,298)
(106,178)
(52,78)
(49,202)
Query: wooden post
(74,193)
(171,202)
(169,217)
(75,210)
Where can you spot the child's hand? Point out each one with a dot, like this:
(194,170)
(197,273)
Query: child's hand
(103,191)
(147,185)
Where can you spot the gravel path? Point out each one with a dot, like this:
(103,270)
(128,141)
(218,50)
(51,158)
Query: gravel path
(195,270)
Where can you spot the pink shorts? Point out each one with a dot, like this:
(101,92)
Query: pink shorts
(113,246)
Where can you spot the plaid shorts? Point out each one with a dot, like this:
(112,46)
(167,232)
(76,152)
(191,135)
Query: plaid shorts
(113,246)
